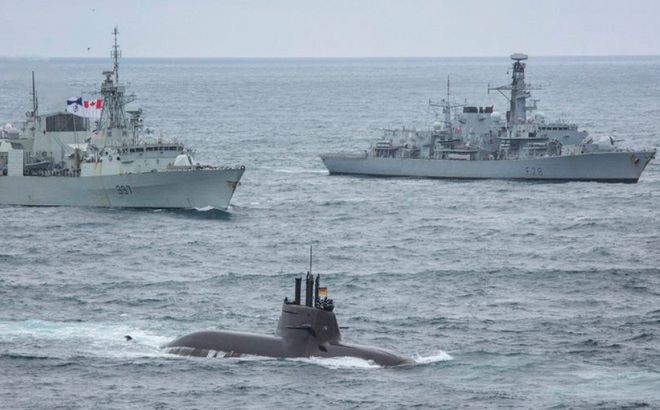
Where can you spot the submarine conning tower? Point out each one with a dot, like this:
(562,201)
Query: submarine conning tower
(314,319)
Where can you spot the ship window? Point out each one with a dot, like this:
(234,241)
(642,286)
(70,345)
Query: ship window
(150,148)
(139,149)
(65,123)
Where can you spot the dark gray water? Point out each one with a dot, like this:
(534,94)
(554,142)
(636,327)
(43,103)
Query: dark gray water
(507,294)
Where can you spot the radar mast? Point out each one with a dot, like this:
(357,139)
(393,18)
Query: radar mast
(520,91)
(115,54)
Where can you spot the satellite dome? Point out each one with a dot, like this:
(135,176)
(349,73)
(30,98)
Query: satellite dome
(539,117)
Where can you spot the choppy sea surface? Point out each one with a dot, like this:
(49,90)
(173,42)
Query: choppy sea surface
(506,294)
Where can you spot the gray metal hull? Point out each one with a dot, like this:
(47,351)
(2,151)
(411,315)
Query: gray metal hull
(302,331)
(236,344)
(598,167)
(171,189)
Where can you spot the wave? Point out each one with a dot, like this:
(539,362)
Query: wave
(439,356)
(79,339)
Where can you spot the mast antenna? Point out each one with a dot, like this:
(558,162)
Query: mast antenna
(116,54)
(35,100)
(310,259)
(448,90)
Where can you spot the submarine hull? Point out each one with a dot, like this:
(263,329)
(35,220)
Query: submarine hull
(236,344)
(309,330)
(227,344)
(381,357)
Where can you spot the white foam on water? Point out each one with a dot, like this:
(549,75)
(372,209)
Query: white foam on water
(440,356)
(69,339)
(340,362)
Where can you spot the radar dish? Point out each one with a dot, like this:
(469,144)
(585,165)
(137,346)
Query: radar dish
(518,56)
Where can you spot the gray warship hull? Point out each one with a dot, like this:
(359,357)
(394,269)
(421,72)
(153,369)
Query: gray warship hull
(168,189)
(98,154)
(480,143)
(623,167)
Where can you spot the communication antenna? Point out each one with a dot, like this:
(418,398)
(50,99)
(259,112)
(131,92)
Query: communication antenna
(35,100)
(116,54)
(310,259)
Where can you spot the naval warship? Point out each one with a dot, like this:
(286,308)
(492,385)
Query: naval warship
(478,143)
(64,159)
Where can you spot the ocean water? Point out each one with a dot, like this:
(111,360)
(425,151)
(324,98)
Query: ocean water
(506,294)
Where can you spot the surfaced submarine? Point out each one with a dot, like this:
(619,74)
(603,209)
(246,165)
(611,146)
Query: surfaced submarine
(303,330)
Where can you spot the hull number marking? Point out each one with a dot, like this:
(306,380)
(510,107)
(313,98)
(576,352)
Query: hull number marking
(534,171)
(124,190)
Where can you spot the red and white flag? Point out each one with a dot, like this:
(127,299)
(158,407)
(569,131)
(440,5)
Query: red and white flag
(84,108)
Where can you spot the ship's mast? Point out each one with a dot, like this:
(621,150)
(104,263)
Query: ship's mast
(115,54)
(519,91)
(447,109)
(35,101)
(446,106)
(113,118)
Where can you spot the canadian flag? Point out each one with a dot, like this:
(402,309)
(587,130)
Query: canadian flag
(84,108)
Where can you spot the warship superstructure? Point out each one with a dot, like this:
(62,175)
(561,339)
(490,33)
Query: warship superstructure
(105,160)
(480,143)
